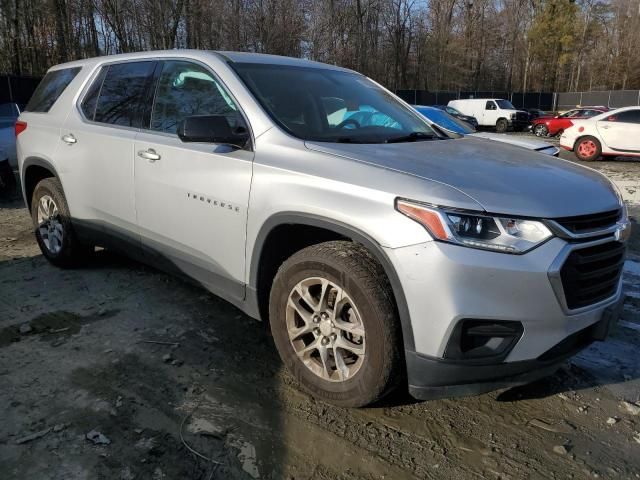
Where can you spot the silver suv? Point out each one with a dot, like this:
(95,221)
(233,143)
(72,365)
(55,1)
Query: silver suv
(382,250)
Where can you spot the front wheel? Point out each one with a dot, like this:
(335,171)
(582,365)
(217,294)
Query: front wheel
(501,125)
(588,149)
(52,223)
(540,130)
(335,325)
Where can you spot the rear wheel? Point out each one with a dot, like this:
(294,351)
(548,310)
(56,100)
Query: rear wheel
(540,130)
(501,125)
(52,223)
(335,325)
(588,149)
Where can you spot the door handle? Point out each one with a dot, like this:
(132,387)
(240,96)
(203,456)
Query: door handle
(69,139)
(150,154)
(605,126)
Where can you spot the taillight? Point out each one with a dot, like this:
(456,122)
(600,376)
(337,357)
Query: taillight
(20,127)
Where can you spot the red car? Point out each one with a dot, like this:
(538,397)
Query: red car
(544,126)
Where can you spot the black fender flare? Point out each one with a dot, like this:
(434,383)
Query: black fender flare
(345,230)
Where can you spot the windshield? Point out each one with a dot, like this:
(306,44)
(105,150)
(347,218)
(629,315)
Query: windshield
(505,105)
(327,105)
(446,121)
(452,111)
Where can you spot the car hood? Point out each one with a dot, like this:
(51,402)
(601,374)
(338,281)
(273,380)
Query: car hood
(519,141)
(500,177)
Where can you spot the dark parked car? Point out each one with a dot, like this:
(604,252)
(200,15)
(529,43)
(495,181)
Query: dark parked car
(459,115)
(537,113)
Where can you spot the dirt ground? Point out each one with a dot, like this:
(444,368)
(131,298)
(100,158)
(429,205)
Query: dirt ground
(118,371)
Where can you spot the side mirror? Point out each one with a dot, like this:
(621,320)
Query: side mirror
(224,129)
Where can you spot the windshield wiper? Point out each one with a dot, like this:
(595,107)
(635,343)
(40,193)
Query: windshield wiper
(350,140)
(412,137)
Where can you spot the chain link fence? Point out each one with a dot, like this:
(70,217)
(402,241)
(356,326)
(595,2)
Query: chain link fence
(608,98)
(541,100)
(17,88)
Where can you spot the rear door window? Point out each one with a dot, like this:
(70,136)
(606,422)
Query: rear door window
(628,116)
(120,97)
(50,89)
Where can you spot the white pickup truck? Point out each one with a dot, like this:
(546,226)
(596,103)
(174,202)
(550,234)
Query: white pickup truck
(493,112)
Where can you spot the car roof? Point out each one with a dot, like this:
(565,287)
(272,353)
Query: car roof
(268,59)
(608,113)
(232,57)
(623,109)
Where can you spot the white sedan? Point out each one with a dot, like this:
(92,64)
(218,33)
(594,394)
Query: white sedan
(612,134)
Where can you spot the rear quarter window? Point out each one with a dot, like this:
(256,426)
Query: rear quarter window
(50,89)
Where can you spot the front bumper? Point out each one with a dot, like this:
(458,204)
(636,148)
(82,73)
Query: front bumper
(567,142)
(445,284)
(517,123)
(431,378)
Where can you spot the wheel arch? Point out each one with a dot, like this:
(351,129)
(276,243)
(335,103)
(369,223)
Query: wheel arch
(35,169)
(264,264)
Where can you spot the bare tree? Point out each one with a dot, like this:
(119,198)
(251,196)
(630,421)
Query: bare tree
(425,44)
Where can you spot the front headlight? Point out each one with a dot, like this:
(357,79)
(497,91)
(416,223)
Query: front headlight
(513,115)
(476,230)
(623,233)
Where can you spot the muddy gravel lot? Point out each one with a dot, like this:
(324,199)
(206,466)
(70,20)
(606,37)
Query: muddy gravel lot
(118,371)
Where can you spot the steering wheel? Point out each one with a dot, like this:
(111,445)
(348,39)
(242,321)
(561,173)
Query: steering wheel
(348,121)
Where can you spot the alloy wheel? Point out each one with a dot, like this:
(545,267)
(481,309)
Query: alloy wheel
(587,148)
(540,130)
(49,224)
(325,329)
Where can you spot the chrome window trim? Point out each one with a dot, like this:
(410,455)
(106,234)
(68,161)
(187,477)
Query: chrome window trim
(556,281)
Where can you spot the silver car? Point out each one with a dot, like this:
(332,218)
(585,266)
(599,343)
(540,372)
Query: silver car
(382,252)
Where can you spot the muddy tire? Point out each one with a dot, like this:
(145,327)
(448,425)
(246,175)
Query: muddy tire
(540,130)
(335,325)
(52,225)
(588,149)
(501,125)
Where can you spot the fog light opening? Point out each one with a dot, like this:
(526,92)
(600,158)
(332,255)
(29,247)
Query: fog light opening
(483,339)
